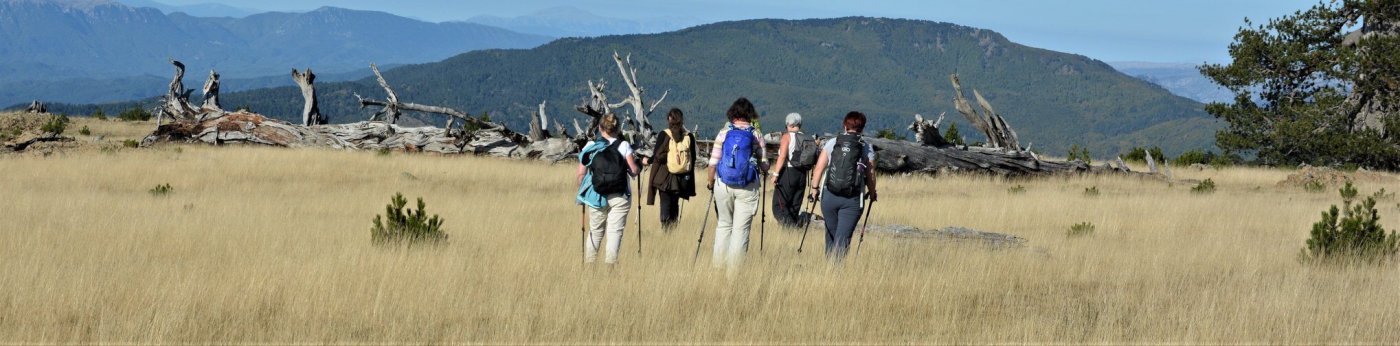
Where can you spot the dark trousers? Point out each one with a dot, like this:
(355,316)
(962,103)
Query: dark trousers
(787,197)
(841,215)
(669,209)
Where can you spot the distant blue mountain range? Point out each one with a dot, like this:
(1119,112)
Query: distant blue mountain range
(102,40)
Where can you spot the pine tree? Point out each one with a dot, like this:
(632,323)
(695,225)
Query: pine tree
(1318,86)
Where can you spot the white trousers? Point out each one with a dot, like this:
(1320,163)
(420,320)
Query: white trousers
(736,211)
(609,220)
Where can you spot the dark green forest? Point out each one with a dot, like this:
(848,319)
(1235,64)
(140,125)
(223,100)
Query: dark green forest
(888,68)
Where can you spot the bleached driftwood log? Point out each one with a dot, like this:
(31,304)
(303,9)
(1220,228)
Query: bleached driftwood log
(250,128)
(310,111)
(393,108)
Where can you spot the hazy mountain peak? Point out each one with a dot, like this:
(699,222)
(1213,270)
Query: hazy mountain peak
(196,10)
(571,21)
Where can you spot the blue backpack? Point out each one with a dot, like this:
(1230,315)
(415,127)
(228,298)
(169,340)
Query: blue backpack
(736,163)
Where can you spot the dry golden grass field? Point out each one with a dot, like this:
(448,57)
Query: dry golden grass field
(261,245)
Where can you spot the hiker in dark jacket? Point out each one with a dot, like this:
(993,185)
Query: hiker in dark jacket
(672,179)
(790,180)
(844,177)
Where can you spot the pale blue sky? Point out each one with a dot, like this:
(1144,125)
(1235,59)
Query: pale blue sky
(1111,30)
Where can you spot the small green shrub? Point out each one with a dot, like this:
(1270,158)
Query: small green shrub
(135,114)
(99,115)
(85,131)
(1204,187)
(1140,154)
(1092,191)
(888,133)
(1314,186)
(7,134)
(952,135)
(131,143)
(55,126)
(1351,235)
(1016,190)
(1077,152)
(161,190)
(398,225)
(1194,157)
(1382,195)
(1081,229)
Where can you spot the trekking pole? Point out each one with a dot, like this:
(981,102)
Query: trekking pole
(868,208)
(762,211)
(583,229)
(639,212)
(703,221)
(811,213)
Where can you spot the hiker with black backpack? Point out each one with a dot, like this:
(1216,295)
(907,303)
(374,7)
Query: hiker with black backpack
(797,153)
(848,164)
(737,158)
(673,169)
(605,167)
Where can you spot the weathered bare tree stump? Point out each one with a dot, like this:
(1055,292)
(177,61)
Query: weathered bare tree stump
(999,133)
(211,93)
(926,131)
(310,111)
(36,107)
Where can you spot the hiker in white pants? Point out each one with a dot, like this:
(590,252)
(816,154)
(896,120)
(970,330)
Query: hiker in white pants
(737,194)
(736,207)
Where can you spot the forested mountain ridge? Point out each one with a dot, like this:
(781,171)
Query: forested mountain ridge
(822,68)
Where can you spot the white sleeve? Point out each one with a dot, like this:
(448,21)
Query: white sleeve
(626,148)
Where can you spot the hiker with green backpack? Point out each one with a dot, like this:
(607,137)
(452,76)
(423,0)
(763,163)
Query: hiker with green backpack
(848,164)
(737,158)
(797,153)
(605,167)
(673,169)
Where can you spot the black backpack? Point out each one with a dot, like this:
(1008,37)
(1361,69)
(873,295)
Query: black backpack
(804,152)
(609,170)
(845,175)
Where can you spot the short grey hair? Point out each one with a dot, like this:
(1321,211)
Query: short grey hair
(794,119)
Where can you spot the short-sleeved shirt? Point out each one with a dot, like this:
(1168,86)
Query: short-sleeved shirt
(831,146)
(717,151)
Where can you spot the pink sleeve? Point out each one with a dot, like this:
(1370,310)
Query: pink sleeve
(716,149)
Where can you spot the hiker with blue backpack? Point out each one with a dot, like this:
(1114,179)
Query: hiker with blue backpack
(737,158)
(847,163)
(605,167)
(797,153)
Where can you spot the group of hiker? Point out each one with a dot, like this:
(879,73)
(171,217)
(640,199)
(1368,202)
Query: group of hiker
(839,173)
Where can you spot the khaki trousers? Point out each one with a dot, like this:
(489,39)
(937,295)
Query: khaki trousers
(609,221)
(736,211)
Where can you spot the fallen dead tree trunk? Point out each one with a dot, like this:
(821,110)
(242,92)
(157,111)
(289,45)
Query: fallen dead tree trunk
(909,157)
(251,128)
